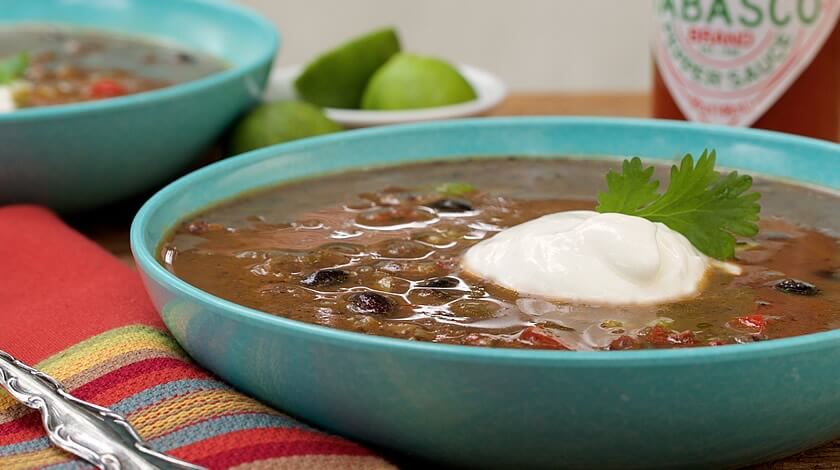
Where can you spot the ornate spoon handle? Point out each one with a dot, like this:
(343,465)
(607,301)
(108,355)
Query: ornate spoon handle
(95,434)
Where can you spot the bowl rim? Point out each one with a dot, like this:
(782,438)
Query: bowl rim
(152,97)
(149,267)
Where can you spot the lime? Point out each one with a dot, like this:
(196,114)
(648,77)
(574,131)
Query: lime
(337,78)
(280,121)
(409,81)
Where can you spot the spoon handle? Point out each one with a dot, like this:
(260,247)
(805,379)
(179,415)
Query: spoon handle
(96,434)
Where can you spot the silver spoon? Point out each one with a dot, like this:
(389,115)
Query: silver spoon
(96,434)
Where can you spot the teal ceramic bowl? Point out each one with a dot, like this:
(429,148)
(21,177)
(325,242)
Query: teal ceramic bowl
(80,156)
(719,407)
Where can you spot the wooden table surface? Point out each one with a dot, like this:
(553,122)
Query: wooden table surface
(109,226)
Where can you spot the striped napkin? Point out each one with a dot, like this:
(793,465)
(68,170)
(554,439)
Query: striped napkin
(72,310)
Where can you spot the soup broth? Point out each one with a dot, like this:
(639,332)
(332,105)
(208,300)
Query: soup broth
(378,252)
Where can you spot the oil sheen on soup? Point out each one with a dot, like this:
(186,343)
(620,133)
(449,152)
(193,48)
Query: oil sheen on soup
(378,252)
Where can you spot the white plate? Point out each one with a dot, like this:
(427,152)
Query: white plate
(490,90)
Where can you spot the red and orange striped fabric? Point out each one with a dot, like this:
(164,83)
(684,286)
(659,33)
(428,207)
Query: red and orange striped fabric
(81,316)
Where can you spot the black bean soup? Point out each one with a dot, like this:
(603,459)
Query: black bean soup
(67,65)
(378,252)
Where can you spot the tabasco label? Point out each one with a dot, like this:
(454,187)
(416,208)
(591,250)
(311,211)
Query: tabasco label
(728,61)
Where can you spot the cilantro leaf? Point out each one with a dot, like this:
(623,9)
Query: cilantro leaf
(709,209)
(630,189)
(11,68)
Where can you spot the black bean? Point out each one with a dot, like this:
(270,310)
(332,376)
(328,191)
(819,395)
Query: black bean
(795,286)
(369,303)
(451,205)
(325,278)
(445,282)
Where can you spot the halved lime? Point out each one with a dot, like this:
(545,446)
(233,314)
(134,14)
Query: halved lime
(410,81)
(337,78)
(280,121)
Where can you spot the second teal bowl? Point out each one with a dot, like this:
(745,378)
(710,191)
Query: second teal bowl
(699,408)
(80,156)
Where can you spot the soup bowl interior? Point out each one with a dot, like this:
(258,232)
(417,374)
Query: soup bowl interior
(494,408)
(81,155)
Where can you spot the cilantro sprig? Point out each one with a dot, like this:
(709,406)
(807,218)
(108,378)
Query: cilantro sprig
(708,208)
(12,68)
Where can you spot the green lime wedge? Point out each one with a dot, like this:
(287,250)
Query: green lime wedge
(410,81)
(337,78)
(280,121)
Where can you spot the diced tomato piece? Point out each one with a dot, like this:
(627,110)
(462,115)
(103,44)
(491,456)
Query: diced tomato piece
(661,336)
(541,337)
(657,335)
(623,342)
(753,322)
(106,88)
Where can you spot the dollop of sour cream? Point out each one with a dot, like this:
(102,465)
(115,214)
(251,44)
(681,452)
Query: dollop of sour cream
(587,256)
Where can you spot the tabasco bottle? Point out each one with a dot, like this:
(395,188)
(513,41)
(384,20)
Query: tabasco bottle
(771,64)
